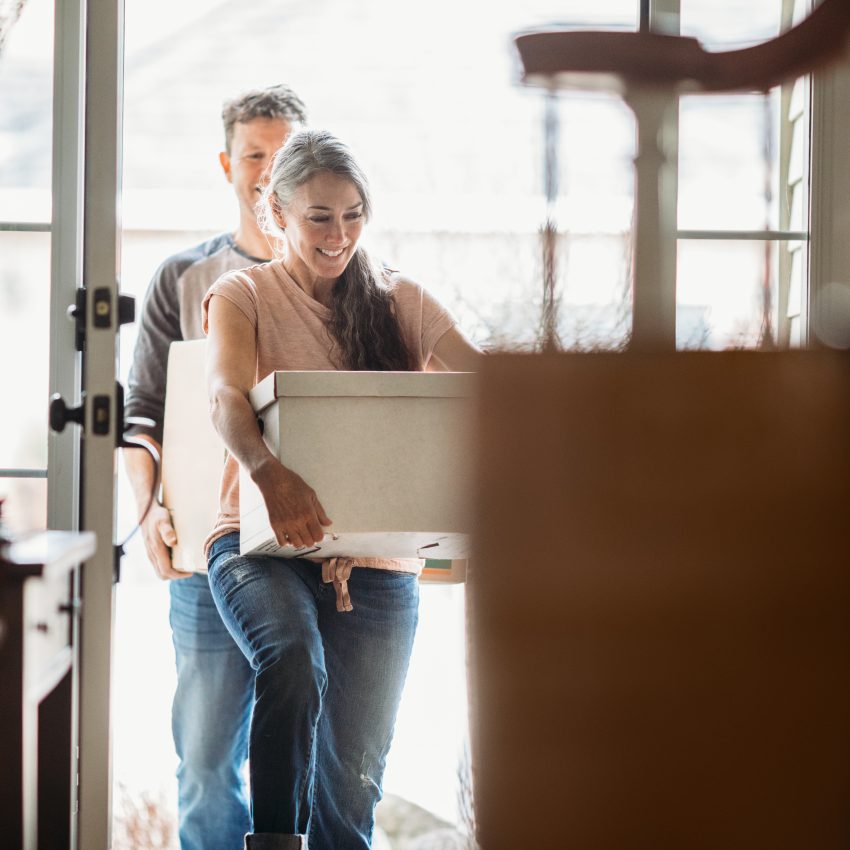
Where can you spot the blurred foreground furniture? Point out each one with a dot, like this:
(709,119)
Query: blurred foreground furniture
(660,598)
(39,580)
(660,602)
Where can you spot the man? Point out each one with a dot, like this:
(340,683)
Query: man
(211,709)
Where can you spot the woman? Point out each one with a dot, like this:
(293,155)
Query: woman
(330,644)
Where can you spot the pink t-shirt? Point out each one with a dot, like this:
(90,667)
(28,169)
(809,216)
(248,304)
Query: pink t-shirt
(291,331)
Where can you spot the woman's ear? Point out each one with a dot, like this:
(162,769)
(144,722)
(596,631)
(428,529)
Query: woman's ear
(277,212)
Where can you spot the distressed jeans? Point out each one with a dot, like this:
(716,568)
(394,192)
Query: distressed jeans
(210,718)
(327,689)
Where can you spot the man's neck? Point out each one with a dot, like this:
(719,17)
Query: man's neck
(252,241)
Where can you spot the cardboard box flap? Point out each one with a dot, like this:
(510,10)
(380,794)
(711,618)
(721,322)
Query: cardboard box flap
(360,384)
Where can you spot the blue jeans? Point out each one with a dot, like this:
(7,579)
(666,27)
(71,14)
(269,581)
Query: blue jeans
(327,688)
(210,718)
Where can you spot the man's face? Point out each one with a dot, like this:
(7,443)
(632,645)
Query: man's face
(252,147)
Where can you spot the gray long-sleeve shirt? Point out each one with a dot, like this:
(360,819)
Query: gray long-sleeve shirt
(172,312)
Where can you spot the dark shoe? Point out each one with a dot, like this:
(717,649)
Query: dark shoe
(274,841)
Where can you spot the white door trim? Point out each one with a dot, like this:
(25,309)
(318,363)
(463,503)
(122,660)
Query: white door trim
(66,262)
(66,257)
(101,264)
(829,247)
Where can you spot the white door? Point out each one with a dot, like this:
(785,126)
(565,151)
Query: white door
(59,222)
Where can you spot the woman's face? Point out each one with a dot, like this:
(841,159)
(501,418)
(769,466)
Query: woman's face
(323,223)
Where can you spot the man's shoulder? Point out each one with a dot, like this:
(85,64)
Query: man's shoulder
(219,251)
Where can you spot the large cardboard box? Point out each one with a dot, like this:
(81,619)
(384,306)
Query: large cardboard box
(193,457)
(388,454)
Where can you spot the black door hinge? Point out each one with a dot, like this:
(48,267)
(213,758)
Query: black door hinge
(102,312)
(117,554)
(77,312)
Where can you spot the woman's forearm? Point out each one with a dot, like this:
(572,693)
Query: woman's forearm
(236,423)
(295,514)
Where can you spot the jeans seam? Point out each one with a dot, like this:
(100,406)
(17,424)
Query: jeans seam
(302,795)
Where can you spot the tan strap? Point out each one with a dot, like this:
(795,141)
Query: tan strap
(338,571)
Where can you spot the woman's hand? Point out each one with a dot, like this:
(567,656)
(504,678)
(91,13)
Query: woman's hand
(296,515)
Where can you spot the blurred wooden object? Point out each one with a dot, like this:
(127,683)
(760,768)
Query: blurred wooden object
(586,59)
(39,580)
(660,602)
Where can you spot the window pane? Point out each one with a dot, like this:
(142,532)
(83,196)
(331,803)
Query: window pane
(595,306)
(728,162)
(612,13)
(731,23)
(723,301)
(596,149)
(494,303)
(26,115)
(25,162)
(24,348)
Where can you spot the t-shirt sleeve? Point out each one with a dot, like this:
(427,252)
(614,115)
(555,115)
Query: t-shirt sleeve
(436,320)
(239,290)
(423,319)
(159,326)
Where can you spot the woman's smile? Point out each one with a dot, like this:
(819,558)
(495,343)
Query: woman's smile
(323,222)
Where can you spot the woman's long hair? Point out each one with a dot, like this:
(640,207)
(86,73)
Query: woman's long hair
(363,322)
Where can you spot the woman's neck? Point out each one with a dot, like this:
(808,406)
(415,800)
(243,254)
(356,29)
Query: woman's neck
(318,288)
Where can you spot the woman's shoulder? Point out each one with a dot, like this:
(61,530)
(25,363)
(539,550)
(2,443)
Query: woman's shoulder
(252,279)
(250,275)
(401,286)
(238,288)
(410,294)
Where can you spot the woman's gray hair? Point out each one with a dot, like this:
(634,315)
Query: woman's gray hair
(363,322)
(305,154)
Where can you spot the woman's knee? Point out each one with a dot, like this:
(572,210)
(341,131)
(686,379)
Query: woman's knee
(289,666)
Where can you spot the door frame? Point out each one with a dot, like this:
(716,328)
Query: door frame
(85,252)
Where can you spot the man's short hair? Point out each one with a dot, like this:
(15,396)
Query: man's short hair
(274,102)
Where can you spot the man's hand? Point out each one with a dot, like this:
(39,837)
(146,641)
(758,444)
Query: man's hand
(158,534)
(157,530)
(295,513)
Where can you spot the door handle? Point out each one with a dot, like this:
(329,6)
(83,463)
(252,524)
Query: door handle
(60,414)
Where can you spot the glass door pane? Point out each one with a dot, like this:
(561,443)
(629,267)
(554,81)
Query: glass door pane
(26,69)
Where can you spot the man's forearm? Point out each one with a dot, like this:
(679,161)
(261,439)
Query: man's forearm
(142,473)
